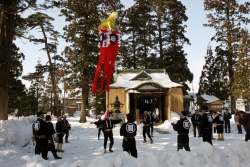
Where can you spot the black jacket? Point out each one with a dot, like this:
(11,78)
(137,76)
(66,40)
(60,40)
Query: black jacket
(182,127)
(196,119)
(206,121)
(128,129)
(60,127)
(51,128)
(40,128)
(107,124)
(227,116)
(66,127)
(146,120)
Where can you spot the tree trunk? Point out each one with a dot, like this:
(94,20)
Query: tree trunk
(51,71)
(6,38)
(83,109)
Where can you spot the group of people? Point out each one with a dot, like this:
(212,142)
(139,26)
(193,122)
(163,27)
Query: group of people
(45,136)
(128,130)
(204,125)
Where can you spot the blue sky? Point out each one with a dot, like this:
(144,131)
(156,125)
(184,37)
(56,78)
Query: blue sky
(198,35)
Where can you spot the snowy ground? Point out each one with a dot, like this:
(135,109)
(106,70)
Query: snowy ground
(84,150)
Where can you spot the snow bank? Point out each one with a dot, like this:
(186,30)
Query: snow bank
(16,131)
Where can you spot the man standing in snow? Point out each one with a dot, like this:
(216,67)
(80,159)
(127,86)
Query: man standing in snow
(41,135)
(128,131)
(108,125)
(196,121)
(182,127)
(227,117)
(67,127)
(151,120)
(244,119)
(206,125)
(146,127)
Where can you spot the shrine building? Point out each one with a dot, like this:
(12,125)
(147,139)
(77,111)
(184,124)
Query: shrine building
(140,90)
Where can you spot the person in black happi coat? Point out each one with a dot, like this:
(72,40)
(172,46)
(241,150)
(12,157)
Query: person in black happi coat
(182,127)
(206,125)
(219,120)
(41,135)
(51,145)
(128,131)
(107,128)
(196,121)
(146,127)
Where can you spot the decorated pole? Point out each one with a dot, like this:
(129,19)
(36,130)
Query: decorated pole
(108,43)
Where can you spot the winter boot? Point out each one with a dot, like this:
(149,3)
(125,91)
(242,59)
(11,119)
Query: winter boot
(222,137)
(98,136)
(144,141)
(229,130)
(56,156)
(110,148)
(151,140)
(60,148)
(219,136)
(152,134)
(225,130)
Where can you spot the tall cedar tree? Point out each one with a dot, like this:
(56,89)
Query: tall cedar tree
(16,90)
(82,55)
(212,81)
(241,85)
(227,17)
(137,45)
(9,10)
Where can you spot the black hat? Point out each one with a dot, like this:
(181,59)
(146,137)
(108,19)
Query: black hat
(204,108)
(40,113)
(184,113)
(48,117)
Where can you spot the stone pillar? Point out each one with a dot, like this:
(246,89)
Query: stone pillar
(167,105)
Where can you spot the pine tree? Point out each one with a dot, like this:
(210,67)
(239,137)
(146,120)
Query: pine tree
(137,46)
(212,79)
(241,85)
(227,17)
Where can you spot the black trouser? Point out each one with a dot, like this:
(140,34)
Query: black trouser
(99,132)
(207,135)
(247,136)
(181,145)
(51,147)
(146,130)
(60,138)
(108,134)
(66,135)
(239,128)
(129,145)
(42,147)
(227,126)
(198,129)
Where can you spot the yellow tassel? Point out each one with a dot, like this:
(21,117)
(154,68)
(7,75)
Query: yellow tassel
(110,21)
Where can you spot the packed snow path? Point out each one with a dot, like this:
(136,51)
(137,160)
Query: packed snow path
(84,150)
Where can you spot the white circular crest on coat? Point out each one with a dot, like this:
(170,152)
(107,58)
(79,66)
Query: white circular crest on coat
(130,128)
(36,125)
(186,124)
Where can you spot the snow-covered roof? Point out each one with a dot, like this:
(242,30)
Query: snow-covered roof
(133,79)
(209,98)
